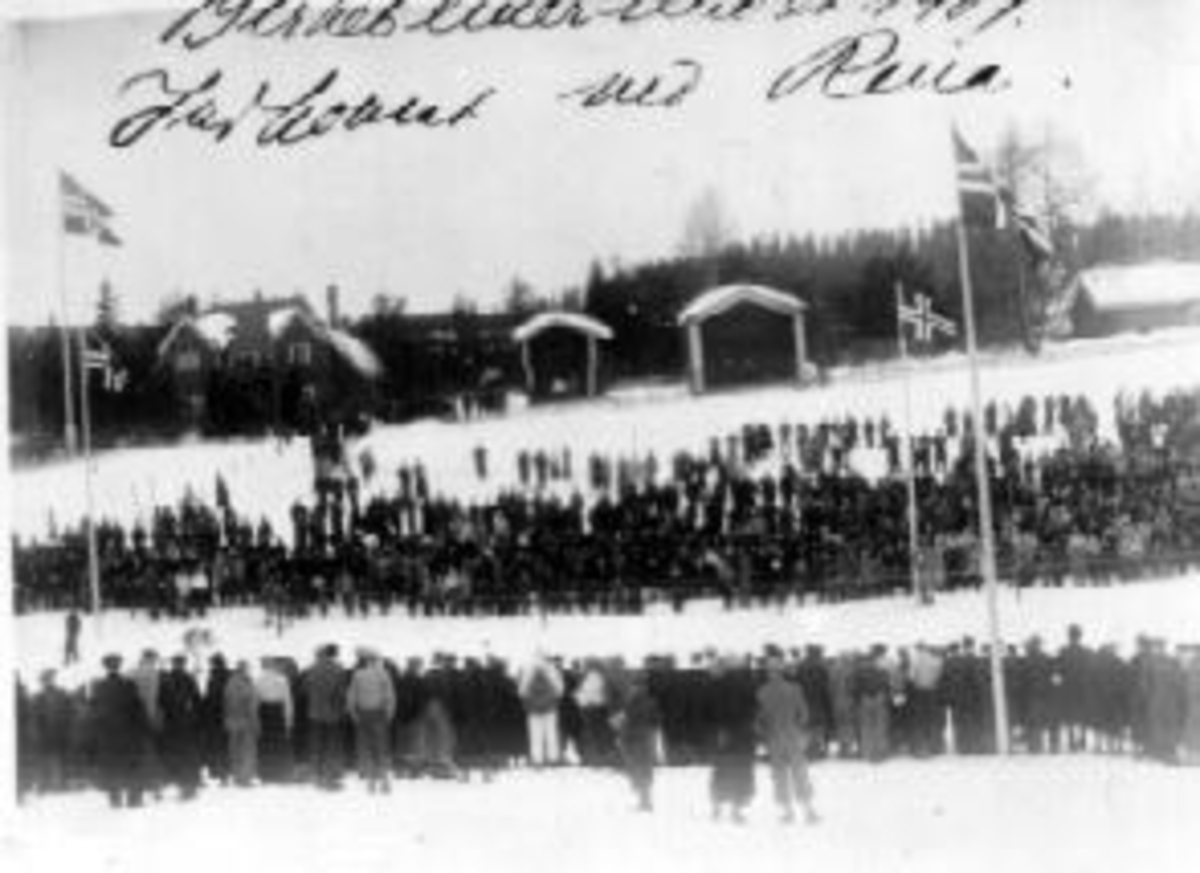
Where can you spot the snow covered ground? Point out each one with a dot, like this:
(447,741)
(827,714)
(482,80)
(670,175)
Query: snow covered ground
(1170,609)
(1067,815)
(266,477)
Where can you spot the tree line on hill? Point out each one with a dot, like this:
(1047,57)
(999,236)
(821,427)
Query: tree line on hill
(846,280)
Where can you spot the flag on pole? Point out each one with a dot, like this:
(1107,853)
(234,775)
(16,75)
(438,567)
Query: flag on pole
(980,198)
(85,214)
(921,317)
(98,356)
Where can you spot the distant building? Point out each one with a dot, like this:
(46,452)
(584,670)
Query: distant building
(1108,300)
(560,354)
(273,359)
(742,335)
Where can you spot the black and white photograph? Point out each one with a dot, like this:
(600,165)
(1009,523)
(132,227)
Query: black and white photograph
(545,435)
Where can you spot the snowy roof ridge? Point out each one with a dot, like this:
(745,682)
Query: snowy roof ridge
(571,320)
(355,352)
(717,300)
(1153,283)
(215,329)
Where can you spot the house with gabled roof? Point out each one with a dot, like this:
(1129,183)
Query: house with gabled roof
(273,360)
(1123,298)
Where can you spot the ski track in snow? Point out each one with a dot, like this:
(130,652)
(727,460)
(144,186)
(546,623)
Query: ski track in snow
(1084,814)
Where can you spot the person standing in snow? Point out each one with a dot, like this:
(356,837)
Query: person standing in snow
(147,679)
(783,718)
(119,732)
(541,688)
(732,706)
(180,703)
(275,716)
(325,693)
(74,624)
(371,703)
(637,726)
(240,713)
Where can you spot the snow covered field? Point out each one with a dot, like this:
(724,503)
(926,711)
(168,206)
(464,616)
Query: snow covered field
(1118,614)
(265,477)
(1065,815)
(1068,815)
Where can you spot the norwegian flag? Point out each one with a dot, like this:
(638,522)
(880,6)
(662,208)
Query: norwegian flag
(98,356)
(981,200)
(85,214)
(926,323)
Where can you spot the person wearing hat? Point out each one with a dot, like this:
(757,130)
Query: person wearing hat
(119,734)
(214,744)
(52,724)
(541,688)
(782,723)
(371,704)
(731,707)
(275,716)
(325,692)
(180,703)
(241,724)
(637,725)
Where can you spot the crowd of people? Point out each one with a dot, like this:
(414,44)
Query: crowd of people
(185,726)
(765,515)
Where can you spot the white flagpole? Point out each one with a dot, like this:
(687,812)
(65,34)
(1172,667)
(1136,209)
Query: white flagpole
(986,537)
(914,540)
(89,517)
(70,436)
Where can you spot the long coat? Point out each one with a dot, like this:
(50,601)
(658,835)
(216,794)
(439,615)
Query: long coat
(733,706)
(180,703)
(783,717)
(119,731)
(637,736)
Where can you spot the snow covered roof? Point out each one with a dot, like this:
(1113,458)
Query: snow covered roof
(1160,283)
(718,300)
(216,329)
(571,320)
(278,320)
(356,353)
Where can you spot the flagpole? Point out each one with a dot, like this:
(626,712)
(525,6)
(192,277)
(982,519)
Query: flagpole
(70,436)
(914,541)
(986,536)
(89,518)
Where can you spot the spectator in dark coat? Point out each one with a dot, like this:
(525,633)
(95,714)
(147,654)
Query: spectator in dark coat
(733,707)
(1035,697)
(214,746)
(637,725)
(872,691)
(180,704)
(53,715)
(74,624)
(119,734)
(1075,663)
(325,694)
(812,674)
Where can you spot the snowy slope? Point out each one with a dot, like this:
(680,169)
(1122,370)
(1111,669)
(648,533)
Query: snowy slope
(265,477)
